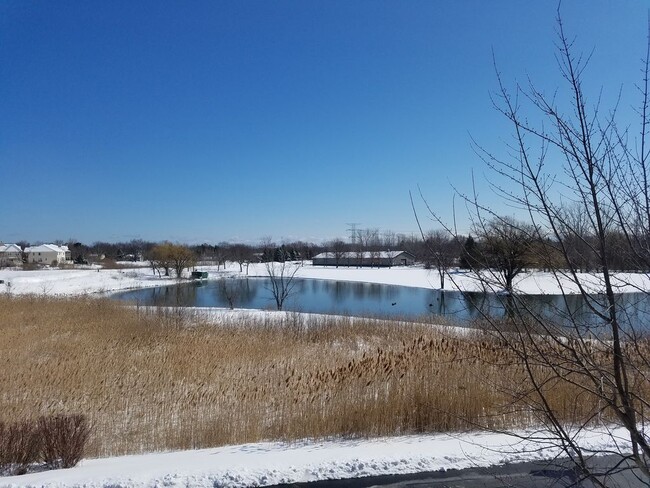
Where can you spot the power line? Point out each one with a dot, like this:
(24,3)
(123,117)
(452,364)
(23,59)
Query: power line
(352,229)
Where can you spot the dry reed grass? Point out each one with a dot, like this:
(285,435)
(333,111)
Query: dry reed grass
(148,380)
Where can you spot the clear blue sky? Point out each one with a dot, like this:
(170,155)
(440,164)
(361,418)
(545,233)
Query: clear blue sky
(210,120)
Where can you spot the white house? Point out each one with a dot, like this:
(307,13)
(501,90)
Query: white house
(10,255)
(68,253)
(47,254)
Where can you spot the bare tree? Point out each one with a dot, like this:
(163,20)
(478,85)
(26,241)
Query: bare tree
(369,238)
(338,249)
(359,249)
(506,247)
(267,247)
(282,280)
(574,227)
(390,240)
(159,258)
(182,258)
(441,252)
(368,246)
(154,264)
(220,254)
(602,203)
(241,254)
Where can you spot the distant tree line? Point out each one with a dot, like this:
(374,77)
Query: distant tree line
(502,244)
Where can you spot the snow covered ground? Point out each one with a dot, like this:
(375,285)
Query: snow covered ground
(96,280)
(271,463)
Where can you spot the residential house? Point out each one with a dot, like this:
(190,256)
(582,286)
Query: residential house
(47,254)
(11,255)
(68,253)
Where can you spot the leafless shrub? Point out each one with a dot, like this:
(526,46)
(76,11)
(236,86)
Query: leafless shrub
(63,440)
(19,447)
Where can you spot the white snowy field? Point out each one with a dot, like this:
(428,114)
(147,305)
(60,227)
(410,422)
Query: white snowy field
(72,282)
(271,463)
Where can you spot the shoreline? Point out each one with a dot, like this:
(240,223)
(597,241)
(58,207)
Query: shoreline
(86,281)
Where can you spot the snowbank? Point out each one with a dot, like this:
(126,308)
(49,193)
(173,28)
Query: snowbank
(271,463)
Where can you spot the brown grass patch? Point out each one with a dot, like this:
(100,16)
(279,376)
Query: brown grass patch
(146,380)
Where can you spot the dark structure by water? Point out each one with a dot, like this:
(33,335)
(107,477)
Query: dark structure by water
(365,259)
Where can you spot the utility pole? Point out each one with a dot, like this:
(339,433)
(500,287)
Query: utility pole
(352,229)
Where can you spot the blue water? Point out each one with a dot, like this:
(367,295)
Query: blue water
(374,300)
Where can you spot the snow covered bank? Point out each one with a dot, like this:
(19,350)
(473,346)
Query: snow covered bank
(271,463)
(70,282)
(533,283)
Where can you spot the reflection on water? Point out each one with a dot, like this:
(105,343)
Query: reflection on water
(634,308)
(373,300)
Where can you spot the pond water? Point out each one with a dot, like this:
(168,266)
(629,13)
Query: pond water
(374,300)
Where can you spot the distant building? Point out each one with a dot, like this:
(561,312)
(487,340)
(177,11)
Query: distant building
(68,253)
(11,255)
(373,259)
(47,254)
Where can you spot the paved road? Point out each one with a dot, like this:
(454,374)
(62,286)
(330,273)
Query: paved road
(528,475)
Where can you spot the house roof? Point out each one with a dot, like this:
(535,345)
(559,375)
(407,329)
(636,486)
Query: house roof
(10,248)
(365,255)
(45,248)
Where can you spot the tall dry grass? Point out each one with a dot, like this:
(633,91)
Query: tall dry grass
(150,379)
